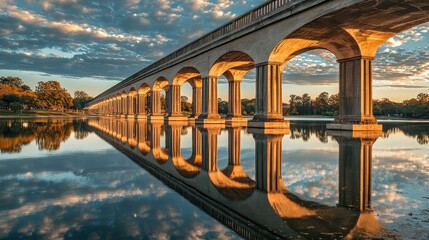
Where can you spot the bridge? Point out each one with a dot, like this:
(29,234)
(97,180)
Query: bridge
(266,38)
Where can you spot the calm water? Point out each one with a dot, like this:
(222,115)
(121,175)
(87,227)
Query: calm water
(111,179)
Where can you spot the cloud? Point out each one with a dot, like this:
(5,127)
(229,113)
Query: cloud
(114,39)
(414,34)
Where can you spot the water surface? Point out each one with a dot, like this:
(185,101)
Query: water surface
(112,178)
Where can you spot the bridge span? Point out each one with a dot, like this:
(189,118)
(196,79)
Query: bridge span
(266,38)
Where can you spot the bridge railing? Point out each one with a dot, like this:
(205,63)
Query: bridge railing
(243,20)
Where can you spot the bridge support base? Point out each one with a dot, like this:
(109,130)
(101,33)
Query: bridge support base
(140,116)
(282,124)
(176,119)
(354,127)
(156,118)
(236,121)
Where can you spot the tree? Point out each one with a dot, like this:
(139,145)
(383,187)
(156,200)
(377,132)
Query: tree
(333,105)
(13,81)
(321,103)
(80,99)
(306,103)
(293,108)
(52,96)
(222,106)
(15,106)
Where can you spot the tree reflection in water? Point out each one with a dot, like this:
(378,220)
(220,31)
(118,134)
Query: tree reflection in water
(48,133)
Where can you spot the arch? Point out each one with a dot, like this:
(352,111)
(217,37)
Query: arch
(234,61)
(132,92)
(372,24)
(143,89)
(186,74)
(160,84)
(315,35)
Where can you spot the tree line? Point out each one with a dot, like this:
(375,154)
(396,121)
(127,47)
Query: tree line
(328,105)
(15,95)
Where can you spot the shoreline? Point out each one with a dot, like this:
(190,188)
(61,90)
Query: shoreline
(290,118)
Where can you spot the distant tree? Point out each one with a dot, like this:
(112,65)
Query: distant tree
(293,108)
(13,81)
(185,105)
(15,106)
(15,86)
(52,96)
(80,99)
(248,106)
(333,105)
(222,106)
(306,104)
(321,103)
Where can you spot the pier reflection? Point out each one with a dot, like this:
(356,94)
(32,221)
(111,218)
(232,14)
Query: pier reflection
(255,208)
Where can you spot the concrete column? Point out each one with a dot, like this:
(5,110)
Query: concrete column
(268,159)
(135,104)
(196,101)
(141,106)
(123,106)
(175,103)
(234,99)
(115,106)
(156,103)
(130,106)
(167,102)
(269,113)
(210,105)
(355,163)
(210,149)
(355,94)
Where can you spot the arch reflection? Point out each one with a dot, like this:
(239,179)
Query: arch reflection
(263,208)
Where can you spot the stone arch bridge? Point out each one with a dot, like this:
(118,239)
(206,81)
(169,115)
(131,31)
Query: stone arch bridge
(266,38)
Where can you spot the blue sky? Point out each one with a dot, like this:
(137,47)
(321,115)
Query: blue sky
(91,45)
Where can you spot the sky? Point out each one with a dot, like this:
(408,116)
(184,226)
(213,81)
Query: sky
(92,45)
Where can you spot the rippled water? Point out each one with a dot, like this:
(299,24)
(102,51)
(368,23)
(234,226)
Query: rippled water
(110,178)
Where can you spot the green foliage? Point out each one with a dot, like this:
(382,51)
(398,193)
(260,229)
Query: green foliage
(185,105)
(15,106)
(222,106)
(52,96)
(80,99)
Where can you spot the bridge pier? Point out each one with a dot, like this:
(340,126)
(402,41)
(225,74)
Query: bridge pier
(210,113)
(234,116)
(142,114)
(269,112)
(155,114)
(197,105)
(355,113)
(175,104)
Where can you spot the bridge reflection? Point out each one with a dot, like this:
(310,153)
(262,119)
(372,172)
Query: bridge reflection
(255,208)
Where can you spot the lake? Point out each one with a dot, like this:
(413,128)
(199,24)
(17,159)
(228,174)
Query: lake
(106,178)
